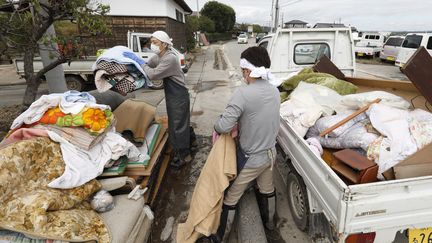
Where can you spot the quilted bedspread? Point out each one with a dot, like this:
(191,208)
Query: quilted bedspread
(29,206)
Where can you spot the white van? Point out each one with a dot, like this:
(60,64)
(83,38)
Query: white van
(370,45)
(411,43)
(391,48)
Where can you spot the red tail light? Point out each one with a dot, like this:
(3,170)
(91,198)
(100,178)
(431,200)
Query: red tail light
(182,62)
(361,238)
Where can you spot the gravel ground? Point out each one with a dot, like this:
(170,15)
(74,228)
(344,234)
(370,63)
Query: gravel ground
(8,114)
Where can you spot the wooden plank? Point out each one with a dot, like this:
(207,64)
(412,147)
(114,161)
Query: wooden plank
(160,178)
(384,84)
(348,118)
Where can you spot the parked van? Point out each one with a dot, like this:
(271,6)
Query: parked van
(370,45)
(391,48)
(411,43)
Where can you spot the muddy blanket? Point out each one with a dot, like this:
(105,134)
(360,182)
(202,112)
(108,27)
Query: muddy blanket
(29,206)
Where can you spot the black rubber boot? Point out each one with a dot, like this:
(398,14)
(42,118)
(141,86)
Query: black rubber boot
(267,205)
(181,158)
(225,224)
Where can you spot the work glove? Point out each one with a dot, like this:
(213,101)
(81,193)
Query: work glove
(134,57)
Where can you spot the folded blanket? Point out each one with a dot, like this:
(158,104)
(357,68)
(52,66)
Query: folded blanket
(307,75)
(38,108)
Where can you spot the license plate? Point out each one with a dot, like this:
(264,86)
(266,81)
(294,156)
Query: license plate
(360,54)
(420,235)
(390,58)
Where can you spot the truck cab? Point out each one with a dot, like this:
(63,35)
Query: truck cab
(140,44)
(291,50)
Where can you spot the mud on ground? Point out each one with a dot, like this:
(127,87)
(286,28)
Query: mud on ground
(176,193)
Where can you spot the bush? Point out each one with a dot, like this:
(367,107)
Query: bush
(215,37)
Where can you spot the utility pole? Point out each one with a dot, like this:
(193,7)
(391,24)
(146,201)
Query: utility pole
(49,53)
(198,8)
(275,15)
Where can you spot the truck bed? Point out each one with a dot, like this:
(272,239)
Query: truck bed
(385,206)
(76,67)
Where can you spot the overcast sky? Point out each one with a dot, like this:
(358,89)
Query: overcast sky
(384,15)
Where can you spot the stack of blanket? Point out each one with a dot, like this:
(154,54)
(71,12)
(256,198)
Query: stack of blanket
(115,71)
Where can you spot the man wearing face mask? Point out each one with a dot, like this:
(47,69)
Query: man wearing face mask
(165,65)
(254,107)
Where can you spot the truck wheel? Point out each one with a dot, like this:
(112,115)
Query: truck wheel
(157,84)
(74,83)
(298,201)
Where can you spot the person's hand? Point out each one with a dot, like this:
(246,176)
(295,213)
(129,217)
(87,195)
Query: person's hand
(234,131)
(215,137)
(134,57)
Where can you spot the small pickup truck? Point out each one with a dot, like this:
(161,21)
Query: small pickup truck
(79,72)
(321,203)
(370,45)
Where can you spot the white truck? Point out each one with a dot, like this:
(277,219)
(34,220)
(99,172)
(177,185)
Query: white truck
(79,72)
(319,200)
(370,45)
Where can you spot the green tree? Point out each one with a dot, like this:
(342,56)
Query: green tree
(206,24)
(192,26)
(23,29)
(257,28)
(222,15)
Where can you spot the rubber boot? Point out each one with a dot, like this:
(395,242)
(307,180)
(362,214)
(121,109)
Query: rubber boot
(225,224)
(267,205)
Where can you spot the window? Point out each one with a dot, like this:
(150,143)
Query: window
(310,53)
(264,44)
(367,37)
(412,41)
(144,44)
(429,44)
(394,41)
(179,16)
(135,44)
(377,37)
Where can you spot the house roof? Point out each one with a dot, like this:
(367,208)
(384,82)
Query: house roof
(295,21)
(328,25)
(184,5)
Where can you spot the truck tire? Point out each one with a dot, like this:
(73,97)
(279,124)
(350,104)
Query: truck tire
(74,83)
(157,84)
(298,200)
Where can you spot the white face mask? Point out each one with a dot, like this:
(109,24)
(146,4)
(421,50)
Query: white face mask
(155,48)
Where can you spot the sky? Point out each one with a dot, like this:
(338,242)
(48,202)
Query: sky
(378,15)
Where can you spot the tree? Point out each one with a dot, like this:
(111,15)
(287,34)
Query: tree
(206,24)
(257,28)
(222,15)
(23,29)
(192,26)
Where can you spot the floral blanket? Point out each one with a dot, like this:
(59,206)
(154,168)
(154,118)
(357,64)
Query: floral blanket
(29,206)
(94,120)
